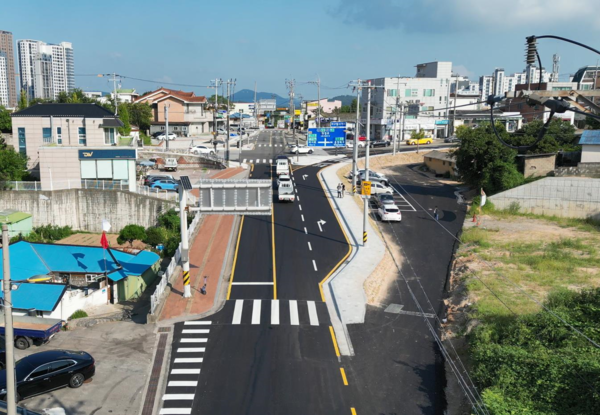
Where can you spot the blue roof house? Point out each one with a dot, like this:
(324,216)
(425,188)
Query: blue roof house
(590,146)
(81,277)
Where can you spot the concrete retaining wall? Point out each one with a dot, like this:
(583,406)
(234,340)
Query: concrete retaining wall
(567,197)
(84,209)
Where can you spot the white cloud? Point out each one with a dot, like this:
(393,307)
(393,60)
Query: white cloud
(463,71)
(164,78)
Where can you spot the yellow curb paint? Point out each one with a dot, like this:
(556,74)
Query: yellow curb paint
(343,372)
(333,339)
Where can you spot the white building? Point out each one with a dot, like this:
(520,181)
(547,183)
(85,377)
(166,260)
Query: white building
(428,92)
(326,106)
(4,99)
(245,107)
(499,83)
(46,69)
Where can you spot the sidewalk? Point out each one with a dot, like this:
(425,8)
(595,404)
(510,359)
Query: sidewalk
(208,254)
(344,292)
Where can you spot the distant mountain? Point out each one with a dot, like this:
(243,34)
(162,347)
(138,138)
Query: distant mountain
(247,95)
(346,99)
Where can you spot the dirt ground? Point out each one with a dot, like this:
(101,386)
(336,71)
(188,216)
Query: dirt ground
(93,239)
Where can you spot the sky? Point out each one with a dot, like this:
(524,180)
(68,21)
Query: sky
(269,41)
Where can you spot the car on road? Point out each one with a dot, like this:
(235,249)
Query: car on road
(377,188)
(350,144)
(165,184)
(389,213)
(452,139)
(221,131)
(372,173)
(282,165)
(380,143)
(383,199)
(152,177)
(201,150)
(415,141)
(285,192)
(46,371)
(162,136)
(301,149)
(284,178)
(270,125)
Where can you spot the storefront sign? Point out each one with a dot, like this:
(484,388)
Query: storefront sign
(93,154)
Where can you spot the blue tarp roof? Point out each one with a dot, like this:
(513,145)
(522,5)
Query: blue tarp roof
(43,297)
(29,259)
(590,137)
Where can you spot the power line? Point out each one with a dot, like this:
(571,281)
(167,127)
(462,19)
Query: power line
(149,80)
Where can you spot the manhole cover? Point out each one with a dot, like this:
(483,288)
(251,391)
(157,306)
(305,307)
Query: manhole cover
(394,308)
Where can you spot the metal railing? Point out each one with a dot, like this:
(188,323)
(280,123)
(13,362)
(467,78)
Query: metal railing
(170,271)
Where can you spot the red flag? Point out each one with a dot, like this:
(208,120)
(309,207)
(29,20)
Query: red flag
(104,241)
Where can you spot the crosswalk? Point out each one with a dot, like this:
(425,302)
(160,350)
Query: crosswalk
(403,204)
(258,161)
(270,145)
(188,356)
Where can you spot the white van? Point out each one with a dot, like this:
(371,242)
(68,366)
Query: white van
(282,166)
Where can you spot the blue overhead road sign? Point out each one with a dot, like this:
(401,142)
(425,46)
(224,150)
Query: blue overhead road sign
(326,137)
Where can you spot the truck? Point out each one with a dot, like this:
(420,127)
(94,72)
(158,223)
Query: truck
(282,165)
(286,192)
(170,164)
(29,330)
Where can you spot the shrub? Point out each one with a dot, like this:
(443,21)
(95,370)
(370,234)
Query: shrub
(78,314)
(170,220)
(171,245)
(49,233)
(130,233)
(514,208)
(146,140)
(156,236)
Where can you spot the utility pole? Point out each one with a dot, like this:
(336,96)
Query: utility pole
(366,199)
(166,125)
(11,394)
(455,99)
(291,84)
(395,141)
(255,109)
(318,84)
(447,107)
(356,135)
(114,79)
(229,82)
(215,84)
(185,244)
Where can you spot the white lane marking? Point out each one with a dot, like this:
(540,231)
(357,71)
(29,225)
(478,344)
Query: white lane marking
(315,265)
(195,331)
(183,383)
(194,340)
(312,313)
(260,145)
(298,197)
(185,371)
(294,313)
(296,189)
(264,160)
(175,411)
(405,201)
(300,206)
(252,283)
(321,222)
(191,350)
(250,161)
(197,323)
(270,161)
(244,161)
(237,312)
(188,360)
(305,231)
(309,247)
(274,311)
(256,312)
(302,216)
(178,397)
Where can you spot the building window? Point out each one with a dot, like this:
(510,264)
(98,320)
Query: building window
(59,135)
(392,92)
(47,135)
(22,142)
(429,92)
(162,128)
(443,163)
(82,138)
(109,136)
(411,92)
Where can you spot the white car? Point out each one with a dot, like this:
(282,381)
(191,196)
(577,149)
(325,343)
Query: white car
(204,150)
(222,131)
(377,188)
(350,144)
(171,137)
(284,178)
(294,149)
(389,213)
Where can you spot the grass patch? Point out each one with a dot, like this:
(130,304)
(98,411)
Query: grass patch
(584,224)
(476,236)
(78,314)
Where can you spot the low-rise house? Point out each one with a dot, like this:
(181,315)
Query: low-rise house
(19,223)
(81,277)
(536,165)
(441,162)
(590,146)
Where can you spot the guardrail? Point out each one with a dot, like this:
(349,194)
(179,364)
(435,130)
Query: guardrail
(166,276)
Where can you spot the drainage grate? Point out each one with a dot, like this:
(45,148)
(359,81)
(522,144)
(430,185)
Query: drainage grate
(155,374)
(164,329)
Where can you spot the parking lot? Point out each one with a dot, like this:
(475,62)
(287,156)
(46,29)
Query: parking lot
(123,352)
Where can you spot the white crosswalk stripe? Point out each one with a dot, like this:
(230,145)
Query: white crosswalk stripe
(196,331)
(256,312)
(185,371)
(312,313)
(264,160)
(295,321)
(191,350)
(237,313)
(274,311)
(270,161)
(194,340)
(185,383)
(188,360)
(283,312)
(197,323)
(177,397)
(175,411)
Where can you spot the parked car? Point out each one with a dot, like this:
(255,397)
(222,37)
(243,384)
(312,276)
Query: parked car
(383,199)
(380,143)
(46,371)
(204,150)
(162,136)
(414,141)
(372,173)
(389,213)
(374,179)
(301,149)
(165,184)
(452,139)
(270,125)
(221,131)
(146,163)
(152,177)
(350,144)
(30,330)
(284,178)
(377,188)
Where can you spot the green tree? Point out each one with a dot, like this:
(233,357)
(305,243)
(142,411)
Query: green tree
(417,135)
(13,166)
(559,136)
(483,162)
(5,120)
(124,117)
(156,236)
(170,220)
(23,100)
(130,233)
(353,105)
(345,109)
(140,114)
(171,245)
(592,123)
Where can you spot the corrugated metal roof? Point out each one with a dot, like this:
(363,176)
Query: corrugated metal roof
(12,216)
(43,297)
(590,137)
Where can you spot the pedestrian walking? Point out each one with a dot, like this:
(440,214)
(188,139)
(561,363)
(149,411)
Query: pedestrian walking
(203,290)
(436,213)
(339,190)
(343,190)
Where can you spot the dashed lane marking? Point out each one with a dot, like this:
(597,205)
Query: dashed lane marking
(315,265)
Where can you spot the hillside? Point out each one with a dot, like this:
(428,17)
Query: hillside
(247,95)
(346,99)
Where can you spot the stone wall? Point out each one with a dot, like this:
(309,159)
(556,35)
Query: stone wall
(572,197)
(582,170)
(84,209)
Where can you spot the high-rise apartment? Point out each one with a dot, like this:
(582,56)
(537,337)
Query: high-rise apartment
(7,55)
(46,69)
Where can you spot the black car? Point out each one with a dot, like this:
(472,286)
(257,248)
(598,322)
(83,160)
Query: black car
(452,139)
(46,371)
(380,143)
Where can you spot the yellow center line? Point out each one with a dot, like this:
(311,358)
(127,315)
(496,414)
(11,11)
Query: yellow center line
(353,411)
(237,247)
(343,372)
(273,245)
(335,345)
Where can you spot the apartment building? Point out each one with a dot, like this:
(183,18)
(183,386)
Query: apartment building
(4,82)
(500,83)
(46,69)
(428,92)
(539,112)
(7,55)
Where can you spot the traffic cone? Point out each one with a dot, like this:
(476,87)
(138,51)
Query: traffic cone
(474,217)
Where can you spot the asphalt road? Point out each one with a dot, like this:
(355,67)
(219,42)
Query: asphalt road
(270,349)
